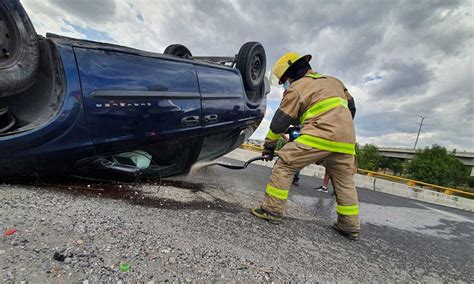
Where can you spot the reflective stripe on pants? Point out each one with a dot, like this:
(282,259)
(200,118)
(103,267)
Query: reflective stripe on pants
(347,210)
(327,145)
(281,194)
(341,167)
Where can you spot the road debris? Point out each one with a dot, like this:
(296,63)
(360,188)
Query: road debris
(62,255)
(10,232)
(124,267)
(203,232)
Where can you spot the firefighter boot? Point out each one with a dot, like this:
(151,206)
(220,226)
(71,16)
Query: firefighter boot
(350,235)
(266,215)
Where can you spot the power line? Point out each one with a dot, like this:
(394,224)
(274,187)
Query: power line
(419,130)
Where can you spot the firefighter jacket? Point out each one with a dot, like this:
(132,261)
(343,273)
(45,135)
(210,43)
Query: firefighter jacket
(318,103)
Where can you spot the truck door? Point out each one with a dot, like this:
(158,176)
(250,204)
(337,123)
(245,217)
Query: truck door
(135,102)
(223,101)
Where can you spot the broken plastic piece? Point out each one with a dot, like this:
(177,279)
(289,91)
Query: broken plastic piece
(124,267)
(10,232)
(59,256)
(140,159)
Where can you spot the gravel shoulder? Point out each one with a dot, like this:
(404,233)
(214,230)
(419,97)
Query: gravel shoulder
(198,227)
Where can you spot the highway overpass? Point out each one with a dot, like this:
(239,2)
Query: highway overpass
(467,158)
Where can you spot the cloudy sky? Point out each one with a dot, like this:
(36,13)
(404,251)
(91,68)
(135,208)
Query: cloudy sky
(399,59)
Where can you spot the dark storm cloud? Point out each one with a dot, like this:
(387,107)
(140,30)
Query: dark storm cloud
(283,26)
(343,35)
(404,78)
(88,10)
(402,43)
(403,58)
(392,121)
(424,21)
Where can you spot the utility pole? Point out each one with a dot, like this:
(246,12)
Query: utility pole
(419,130)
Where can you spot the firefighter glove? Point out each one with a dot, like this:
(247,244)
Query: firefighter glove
(268,153)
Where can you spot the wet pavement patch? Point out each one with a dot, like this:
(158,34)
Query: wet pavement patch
(194,187)
(133,193)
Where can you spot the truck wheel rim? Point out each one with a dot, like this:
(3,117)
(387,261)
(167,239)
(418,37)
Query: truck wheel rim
(10,41)
(256,67)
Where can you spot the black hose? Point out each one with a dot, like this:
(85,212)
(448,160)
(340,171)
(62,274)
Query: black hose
(233,167)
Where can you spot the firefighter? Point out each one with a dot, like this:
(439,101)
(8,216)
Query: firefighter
(320,104)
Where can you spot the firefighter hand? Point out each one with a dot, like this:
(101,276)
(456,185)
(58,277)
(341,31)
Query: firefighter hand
(268,153)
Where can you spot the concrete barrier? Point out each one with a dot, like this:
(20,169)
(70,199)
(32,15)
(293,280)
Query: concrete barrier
(374,183)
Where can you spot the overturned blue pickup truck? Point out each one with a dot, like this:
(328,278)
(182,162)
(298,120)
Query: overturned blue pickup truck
(83,108)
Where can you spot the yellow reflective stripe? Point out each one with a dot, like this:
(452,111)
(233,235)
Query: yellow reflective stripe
(272,136)
(347,210)
(327,145)
(281,194)
(315,75)
(323,106)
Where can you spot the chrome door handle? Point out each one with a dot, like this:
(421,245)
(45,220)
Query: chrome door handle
(210,118)
(190,120)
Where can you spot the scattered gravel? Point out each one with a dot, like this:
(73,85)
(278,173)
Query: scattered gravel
(186,232)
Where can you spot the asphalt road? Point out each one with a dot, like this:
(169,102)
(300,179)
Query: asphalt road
(199,227)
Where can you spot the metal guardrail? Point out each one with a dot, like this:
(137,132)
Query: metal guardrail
(407,181)
(412,183)
(251,147)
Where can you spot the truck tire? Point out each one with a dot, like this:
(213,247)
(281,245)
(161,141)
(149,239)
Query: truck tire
(7,121)
(178,50)
(19,49)
(251,61)
(254,98)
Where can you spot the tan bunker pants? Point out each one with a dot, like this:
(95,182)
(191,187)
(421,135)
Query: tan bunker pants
(341,167)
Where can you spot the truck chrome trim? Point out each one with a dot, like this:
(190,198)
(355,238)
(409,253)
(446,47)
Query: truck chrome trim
(134,94)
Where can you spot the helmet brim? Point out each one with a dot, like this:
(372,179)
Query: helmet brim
(306,57)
